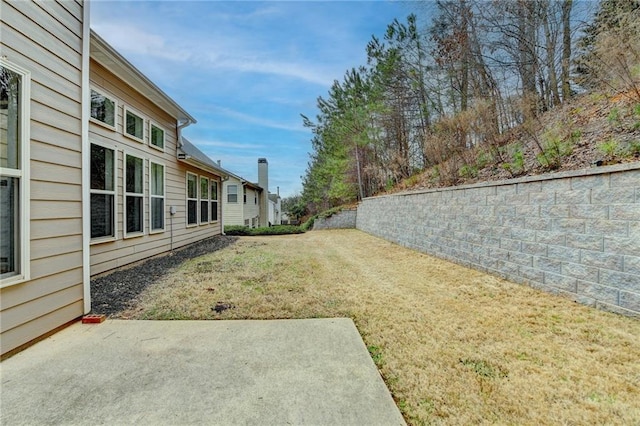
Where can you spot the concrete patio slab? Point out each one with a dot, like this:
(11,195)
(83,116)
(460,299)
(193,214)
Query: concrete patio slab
(280,372)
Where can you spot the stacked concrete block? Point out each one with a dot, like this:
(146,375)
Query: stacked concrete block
(573,233)
(341,220)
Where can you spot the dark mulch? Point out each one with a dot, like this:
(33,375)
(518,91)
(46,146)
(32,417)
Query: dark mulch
(118,290)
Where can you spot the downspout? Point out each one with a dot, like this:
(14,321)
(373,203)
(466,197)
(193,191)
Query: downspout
(86,160)
(223,179)
(179,127)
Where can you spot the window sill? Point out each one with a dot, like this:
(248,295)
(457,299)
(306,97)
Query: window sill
(15,280)
(156,231)
(102,124)
(102,240)
(158,148)
(133,235)
(132,137)
(192,225)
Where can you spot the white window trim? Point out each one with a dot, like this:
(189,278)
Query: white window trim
(126,234)
(227,193)
(125,109)
(24,175)
(115,109)
(200,200)
(100,240)
(164,136)
(211,200)
(187,199)
(164,197)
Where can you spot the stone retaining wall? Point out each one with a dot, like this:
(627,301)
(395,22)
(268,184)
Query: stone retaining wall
(342,219)
(572,233)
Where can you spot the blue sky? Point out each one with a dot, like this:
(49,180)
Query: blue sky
(246,70)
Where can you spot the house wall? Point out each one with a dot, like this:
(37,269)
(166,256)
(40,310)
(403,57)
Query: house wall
(573,233)
(233,213)
(46,38)
(251,208)
(112,254)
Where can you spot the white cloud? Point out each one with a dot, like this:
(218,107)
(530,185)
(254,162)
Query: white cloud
(224,144)
(120,35)
(261,121)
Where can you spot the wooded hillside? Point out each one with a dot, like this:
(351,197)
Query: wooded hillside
(483,89)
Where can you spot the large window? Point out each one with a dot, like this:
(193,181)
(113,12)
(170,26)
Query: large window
(192,199)
(133,125)
(103,192)
(134,194)
(14,176)
(232,193)
(156,138)
(214,201)
(156,196)
(103,109)
(204,200)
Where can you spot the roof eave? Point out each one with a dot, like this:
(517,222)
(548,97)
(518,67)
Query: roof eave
(194,162)
(108,57)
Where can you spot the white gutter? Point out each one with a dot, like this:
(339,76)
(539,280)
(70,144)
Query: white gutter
(223,179)
(179,127)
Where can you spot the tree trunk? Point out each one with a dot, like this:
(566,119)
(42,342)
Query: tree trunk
(553,96)
(566,49)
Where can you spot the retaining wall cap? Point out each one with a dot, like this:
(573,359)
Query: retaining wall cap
(547,176)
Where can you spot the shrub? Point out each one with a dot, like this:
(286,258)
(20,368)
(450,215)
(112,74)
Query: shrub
(309,223)
(516,166)
(634,149)
(271,230)
(609,148)
(553,151)
(237,230)
(468,171)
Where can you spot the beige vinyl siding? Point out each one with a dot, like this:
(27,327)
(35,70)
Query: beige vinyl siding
(45,38)
(232,213)
(122,251)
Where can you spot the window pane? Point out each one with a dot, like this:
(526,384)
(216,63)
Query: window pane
(157,136)
(101,168)
(214,210)
(102,108)
(9,118)
(204,188)
(134,125)
(192,212)
(9,225)
(134,214)
(232,193)
(204,211)
(214,190)
(192,186)
(157,213)
(157,179)
(134,174)
(102,208)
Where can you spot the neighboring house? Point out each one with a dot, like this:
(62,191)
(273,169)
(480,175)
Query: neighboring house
(275,208)
(94,171)
(248,204)
(44,71)
(241,202)
(137,180)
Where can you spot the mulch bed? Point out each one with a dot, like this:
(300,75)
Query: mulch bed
(117,291)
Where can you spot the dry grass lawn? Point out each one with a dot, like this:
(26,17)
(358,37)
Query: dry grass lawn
(455,346)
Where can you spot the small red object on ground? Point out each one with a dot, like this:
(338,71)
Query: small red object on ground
(93,319)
